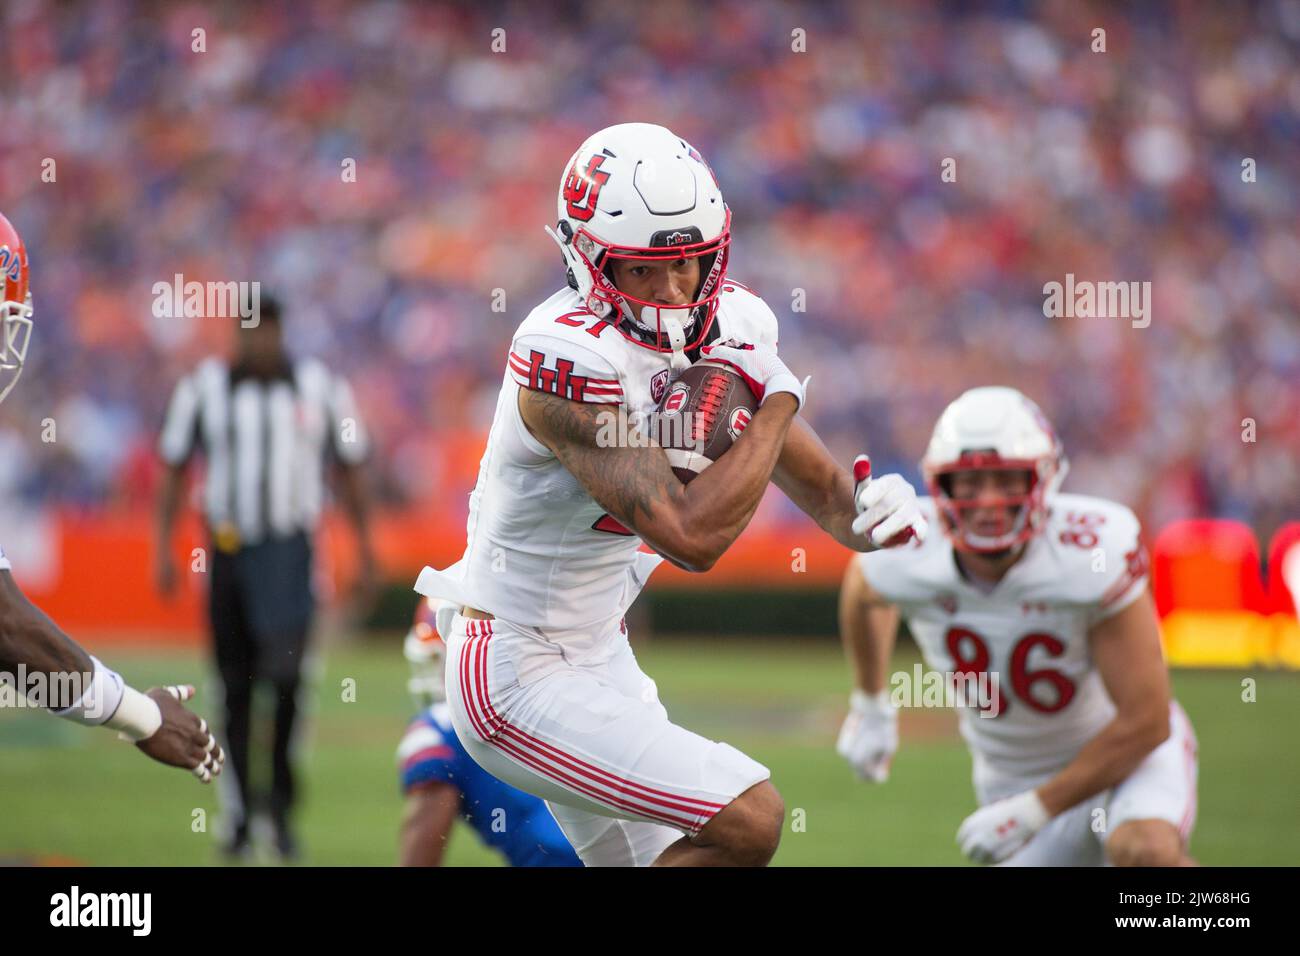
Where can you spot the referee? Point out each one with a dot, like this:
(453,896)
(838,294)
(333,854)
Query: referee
(266,426)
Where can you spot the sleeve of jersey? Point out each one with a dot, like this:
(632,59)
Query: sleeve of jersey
(760,325)
(180,426)
(423,757)
(768,333)
(1127,570)
(546,363)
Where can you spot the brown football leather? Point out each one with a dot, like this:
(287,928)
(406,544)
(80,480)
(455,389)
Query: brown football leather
(719,405)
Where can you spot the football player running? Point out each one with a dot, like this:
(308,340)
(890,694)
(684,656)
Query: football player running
(441,782)
(29,641)
(1080,755)
(543,690)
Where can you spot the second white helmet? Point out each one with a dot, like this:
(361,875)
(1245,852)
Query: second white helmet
(994,427)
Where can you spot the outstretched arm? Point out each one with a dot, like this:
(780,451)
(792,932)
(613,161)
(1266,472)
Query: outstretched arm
(169,497)
(30,638)
(858,511)
(1126,649)
(426,824)
(868,737)
(868,629)
(822,489)
(356,502)
(156,721)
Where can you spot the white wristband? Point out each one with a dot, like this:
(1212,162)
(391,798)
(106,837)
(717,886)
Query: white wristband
(137,717)
(1035,811)
(859,699)
(100,696)
(108,701)
(786,382)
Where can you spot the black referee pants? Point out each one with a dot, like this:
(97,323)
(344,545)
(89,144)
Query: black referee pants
(260,609)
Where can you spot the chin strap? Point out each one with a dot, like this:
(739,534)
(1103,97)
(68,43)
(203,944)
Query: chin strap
(638,329)
(671,322)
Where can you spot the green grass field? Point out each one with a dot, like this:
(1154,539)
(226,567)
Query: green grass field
(68,794)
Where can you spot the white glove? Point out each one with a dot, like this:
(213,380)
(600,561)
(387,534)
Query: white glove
(993,833)
(759,366)
(887,507)
(869,736)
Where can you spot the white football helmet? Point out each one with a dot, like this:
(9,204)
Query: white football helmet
(994,428)
(427,653)
(638,191)
(15,307)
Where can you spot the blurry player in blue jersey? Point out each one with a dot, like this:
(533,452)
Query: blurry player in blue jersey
(442,782)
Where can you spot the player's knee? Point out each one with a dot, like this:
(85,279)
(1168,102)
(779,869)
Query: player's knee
(1145,843)
(771,819)
(757,818)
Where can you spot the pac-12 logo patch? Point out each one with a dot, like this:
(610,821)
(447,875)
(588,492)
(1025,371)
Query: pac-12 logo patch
(658,385)
(738,422)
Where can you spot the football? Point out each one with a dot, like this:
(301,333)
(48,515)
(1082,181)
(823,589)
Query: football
(703,412)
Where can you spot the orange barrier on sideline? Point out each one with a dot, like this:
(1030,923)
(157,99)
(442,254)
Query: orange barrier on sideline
(98,577)
(1208,591)
(102,579)
(1206,564)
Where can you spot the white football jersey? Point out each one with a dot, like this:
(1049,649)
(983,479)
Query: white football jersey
(540,553)
(1031,629)
(4,562)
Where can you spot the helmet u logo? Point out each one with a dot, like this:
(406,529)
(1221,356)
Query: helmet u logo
(582,188)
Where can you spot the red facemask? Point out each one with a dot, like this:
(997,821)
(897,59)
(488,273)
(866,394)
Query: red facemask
(659,325)
(1024,515)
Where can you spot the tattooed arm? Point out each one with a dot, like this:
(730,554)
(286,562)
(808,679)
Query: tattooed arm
(690,525)
(819,485)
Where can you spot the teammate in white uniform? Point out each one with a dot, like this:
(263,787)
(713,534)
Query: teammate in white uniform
(34,653)
(543,688)
(1080,755)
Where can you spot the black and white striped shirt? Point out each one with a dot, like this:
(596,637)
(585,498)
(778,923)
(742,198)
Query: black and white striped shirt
(266,443)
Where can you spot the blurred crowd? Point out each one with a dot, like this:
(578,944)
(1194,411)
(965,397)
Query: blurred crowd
(895,288)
